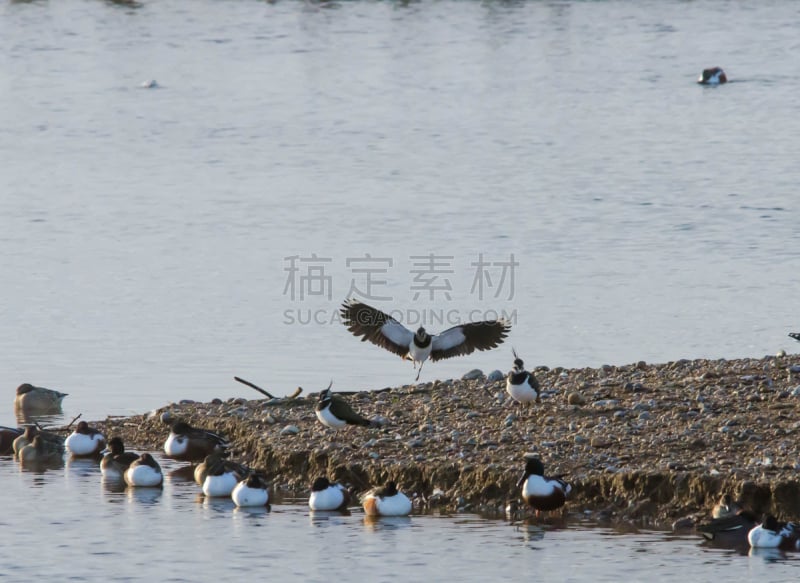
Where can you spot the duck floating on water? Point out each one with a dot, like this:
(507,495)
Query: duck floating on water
(328,496)
(144,472)
(712,76)
(37,400)
(386,501)
(85,441)
(117,460)
(771,534)
(731,530)
(252,491)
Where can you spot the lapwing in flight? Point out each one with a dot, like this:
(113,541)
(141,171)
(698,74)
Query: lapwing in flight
(382,330)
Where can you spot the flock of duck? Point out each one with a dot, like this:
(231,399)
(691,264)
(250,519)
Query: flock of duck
(219,476)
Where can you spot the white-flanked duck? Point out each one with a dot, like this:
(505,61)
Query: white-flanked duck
(117,460)
(328,496)
(540,492)
(521,385)
(85,441)
(386,501)
(144,473)
(335,413)
(252,491)
(222,476)
(382,330)
(771,534)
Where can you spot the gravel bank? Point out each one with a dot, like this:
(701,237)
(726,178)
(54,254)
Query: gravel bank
(638,442)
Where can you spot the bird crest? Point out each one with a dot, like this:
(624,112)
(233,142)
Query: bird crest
(518,364)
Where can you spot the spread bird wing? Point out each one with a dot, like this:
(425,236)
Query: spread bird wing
(466,338)
(795,335)
(377,327)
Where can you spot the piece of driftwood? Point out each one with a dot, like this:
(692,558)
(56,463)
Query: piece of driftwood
(252,386)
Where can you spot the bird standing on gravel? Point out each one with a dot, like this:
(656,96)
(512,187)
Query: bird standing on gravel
(335,413)
(521,384)
(382,330)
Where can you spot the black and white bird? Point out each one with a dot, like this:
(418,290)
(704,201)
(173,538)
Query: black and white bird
(542,493)
(712,76)
(382,330)
(335,413)
(795,335)
(521,384)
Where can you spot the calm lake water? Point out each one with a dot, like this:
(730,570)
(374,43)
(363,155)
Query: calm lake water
(418,153)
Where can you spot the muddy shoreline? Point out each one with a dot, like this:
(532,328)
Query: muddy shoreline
(642,442)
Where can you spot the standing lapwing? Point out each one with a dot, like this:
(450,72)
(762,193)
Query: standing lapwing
(383,330)
(521,384)
(335,413)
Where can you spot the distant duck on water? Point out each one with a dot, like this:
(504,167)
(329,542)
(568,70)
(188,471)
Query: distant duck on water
(381,329)
(712,76)
(37,400)
(252,491)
